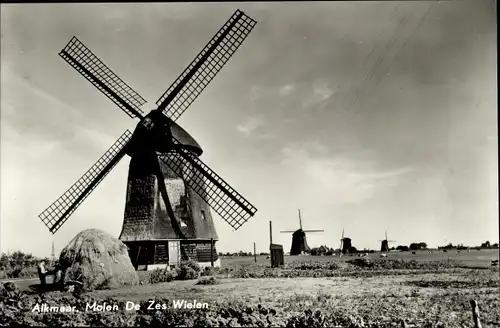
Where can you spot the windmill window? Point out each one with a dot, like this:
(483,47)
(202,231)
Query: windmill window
(203,217)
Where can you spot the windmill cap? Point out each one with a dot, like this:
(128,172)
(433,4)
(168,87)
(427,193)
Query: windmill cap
(185,139)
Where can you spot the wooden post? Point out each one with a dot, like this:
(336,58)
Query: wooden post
(270,233)
(475,314)
(270,242)
(254,254)
(212,252)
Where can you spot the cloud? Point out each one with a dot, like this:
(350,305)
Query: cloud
(265,136)
(333,178)
(286,90)
(255,93)
(321,91)
(250,125)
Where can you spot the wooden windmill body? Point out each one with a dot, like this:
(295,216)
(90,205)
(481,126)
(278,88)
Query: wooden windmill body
(160,231)
(384,244)
(299,241)
(345,244)
(170,190)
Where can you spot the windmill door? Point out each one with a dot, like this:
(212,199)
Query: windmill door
(174,247)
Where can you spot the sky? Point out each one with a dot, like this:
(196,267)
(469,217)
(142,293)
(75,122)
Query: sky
(366,116)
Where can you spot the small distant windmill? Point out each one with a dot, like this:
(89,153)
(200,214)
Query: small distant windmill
(345,244)
(299,242)
(384,247)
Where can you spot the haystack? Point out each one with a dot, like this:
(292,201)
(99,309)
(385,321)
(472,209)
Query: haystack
(98,261)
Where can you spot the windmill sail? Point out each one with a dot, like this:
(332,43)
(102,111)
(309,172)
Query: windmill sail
(59,212)
(205,66)
(341,241)
(96,72)
(223,199)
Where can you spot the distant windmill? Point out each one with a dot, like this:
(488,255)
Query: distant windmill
(345,244)
(384,247)
(299,242)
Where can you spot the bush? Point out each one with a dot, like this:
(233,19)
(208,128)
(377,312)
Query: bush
(160,275)
(363,263)
(188,270)
(208,281)
(209,271)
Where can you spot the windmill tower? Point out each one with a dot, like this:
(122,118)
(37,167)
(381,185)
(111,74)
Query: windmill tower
(170,190)
(299,241)
(384,246)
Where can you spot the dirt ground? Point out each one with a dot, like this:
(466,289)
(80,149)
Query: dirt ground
(439,297)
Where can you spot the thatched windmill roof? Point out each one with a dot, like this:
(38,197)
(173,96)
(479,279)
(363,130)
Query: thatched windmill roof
(98,261)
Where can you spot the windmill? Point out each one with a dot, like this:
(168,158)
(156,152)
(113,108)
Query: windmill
(170,190)
(299,242)
(345,244)
(384,246)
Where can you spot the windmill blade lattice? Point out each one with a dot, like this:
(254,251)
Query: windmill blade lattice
(223,199)
(96,72)
(59,212)
(205,66)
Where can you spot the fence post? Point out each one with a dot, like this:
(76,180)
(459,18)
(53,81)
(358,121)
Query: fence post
(475,314)
(254,254)
(212,252)
(270,232)
(271,242)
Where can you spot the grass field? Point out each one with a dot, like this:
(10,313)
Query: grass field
(473,258)
(423,296)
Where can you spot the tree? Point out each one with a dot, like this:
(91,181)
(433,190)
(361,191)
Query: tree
(402,248)
(422,245)
(418,246)
(485,244)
